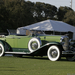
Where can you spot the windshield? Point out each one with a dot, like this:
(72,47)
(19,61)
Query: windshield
(37,33)
(11,32)
(25,32)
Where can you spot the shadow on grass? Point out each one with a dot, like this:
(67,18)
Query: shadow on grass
(12,70)
(45,58)
(41,58)
(36,57)
(64,59)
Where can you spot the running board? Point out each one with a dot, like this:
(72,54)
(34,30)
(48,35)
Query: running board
(17,53)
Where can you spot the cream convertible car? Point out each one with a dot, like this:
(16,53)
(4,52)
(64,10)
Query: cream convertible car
(38,45)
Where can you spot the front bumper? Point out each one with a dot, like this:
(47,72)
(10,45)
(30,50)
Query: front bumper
(68,52)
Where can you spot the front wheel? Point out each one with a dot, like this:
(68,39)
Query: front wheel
(54,53)
(1,50)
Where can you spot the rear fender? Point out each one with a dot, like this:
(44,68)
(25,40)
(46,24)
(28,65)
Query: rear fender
(5,45)
(2,42)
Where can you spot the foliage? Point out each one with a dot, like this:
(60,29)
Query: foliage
(18,13)
(62,11)
(21,13)
(69,18)
(3,18)
(44,11)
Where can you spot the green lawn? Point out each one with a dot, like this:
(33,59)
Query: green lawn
(35,66)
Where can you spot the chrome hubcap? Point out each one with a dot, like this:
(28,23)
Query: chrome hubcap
(34,45)
(53,53)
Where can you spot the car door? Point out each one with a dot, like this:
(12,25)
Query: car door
(23,43)
(12,41)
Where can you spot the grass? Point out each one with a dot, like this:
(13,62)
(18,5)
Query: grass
(35,66)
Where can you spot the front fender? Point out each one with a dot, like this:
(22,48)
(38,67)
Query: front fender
(43,49)
(53,43)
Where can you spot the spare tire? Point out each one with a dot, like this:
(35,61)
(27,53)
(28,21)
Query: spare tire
(34,44)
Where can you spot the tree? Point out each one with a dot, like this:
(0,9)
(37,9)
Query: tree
(3,18)
(19,13)
(62,11)
(44,11)
(69,18)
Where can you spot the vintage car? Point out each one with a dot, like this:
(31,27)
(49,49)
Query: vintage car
(36,44)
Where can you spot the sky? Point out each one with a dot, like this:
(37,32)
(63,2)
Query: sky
(57,3)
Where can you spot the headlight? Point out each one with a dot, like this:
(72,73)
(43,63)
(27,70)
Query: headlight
(64,38)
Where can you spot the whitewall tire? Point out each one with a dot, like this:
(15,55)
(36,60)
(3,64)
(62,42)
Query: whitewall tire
(34,44)
(1,49)
(53,53)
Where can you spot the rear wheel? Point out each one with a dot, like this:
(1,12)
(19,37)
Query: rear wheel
(1,50)
(54,53)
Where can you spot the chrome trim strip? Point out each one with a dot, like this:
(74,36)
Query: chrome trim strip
(17,52)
